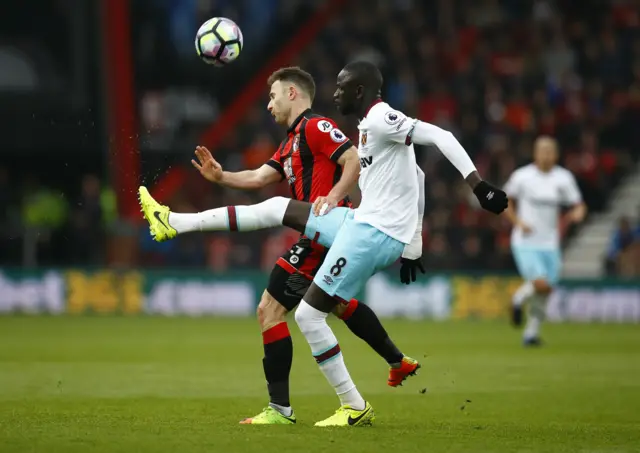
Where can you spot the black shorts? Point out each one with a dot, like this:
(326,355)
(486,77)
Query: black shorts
(294,271)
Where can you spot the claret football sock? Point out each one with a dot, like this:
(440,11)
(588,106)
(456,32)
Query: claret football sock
(267,214)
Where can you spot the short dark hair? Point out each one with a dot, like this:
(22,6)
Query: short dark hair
(296,75)
(366,74)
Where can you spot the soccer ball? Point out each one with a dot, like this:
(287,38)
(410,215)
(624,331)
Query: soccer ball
(219,41)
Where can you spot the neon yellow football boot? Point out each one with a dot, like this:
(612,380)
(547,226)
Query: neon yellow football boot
(157,215)
(346,416)
(270,416)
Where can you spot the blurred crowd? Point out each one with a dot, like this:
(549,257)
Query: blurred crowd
(39,225)
(497,73)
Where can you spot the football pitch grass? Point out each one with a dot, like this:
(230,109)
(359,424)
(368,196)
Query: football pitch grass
(181,385)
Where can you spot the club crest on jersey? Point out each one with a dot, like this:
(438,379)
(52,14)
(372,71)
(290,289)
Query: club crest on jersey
(363,138)
(393,117)
(296,143)
(325,126)
(337,136)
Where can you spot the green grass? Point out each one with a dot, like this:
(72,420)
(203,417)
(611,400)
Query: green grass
(181,385)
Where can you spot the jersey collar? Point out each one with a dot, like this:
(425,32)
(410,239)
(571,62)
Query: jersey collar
(366,112)
(295,123)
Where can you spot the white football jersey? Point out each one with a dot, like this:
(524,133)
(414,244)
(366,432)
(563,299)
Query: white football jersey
(539,196)
(388,179)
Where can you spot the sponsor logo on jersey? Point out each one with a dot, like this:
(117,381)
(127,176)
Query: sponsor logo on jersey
(325,126)
(337,136)
(393,117)
(366,161)
(288,171)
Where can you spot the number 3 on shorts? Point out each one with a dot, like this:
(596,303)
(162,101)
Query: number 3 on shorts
(336,269)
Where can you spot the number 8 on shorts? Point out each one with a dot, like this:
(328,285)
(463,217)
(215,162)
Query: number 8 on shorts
(357,252)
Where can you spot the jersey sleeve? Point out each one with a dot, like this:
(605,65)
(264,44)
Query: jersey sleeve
(513,187)
(324,137)
(571,194)
(276,163)
(395,126)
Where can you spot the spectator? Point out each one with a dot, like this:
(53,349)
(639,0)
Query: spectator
(623,243)
(87,224)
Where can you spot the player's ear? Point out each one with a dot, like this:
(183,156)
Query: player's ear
(292,92)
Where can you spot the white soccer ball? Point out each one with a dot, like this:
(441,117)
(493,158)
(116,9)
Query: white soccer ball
(219,41)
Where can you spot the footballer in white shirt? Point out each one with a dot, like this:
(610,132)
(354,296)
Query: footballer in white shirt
(539,190)
(385,227)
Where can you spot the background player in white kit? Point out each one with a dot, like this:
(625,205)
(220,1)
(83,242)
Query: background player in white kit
(362,241)
(539,190)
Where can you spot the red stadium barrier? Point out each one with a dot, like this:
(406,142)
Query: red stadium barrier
(124,157)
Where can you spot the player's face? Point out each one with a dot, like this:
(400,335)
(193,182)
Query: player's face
(545,154)
(279,105)
(346,95)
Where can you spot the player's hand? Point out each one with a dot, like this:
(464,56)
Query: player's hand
(208,167)
(408,269)
(491,198)
(323,205)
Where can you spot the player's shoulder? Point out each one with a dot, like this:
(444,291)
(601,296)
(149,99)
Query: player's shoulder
(561,171)
(320,122)
(383,116)
(318,126)
(525,170)
(562,174)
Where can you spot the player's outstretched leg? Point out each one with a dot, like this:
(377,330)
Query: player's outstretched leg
(277,211)
(365,324)
(312,319)
(165,225)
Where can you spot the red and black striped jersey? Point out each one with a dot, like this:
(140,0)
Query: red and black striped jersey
(308,157)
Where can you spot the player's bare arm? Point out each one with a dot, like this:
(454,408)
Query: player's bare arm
(577,213)
(350,172)
(511,215)
(211,170)
(473,179)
